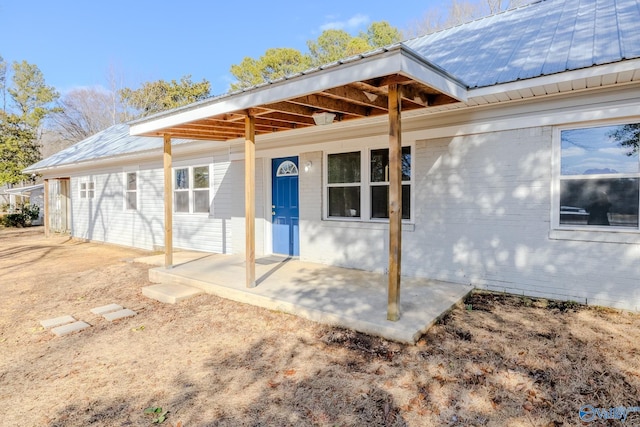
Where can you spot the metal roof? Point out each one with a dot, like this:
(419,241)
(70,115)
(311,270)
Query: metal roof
(351,89)
(111,142)
(542,38)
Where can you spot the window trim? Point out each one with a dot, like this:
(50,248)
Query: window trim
(365,184)
(89,192)
(191,189)
(127,191)
(581,232)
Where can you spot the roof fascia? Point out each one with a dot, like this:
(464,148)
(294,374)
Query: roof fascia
(154,154)
(396,60)
(416,67)
(563,77)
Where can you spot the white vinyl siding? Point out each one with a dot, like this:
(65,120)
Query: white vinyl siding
(104,219)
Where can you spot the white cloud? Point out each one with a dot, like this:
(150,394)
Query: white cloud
(619,151)
(352,23)
(573,151)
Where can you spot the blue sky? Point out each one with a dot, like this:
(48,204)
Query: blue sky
(76,43)
(594,149)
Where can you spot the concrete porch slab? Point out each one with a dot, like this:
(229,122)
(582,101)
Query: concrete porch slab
(342,297)
(179,258)
(170,293)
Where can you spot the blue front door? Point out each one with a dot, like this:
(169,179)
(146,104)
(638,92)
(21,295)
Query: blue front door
(284,203)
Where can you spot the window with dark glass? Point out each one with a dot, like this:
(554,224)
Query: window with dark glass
(600,176)
(344,184)
(379,185)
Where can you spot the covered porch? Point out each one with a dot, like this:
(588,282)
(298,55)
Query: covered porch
(342,297)
(388,82)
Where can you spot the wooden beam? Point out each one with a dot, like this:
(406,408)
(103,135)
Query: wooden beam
(332,104)
(250,199)
(395,201)
(358,96)
(47,211)
(168,204)
(287,107)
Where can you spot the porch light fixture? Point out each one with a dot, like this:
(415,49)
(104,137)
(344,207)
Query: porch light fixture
(307,166)
(323,118)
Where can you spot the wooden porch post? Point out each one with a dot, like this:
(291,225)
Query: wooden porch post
(250,199)
(47,212)
(168,204)
(395,201)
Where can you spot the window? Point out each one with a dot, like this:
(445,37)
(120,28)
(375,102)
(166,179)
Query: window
(344,184)
(380,183)
(131,191)
(287,168)
(87,190)
(191,189)
(600,177)
(201,189)
(355,190)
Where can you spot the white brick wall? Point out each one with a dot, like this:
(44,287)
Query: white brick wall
(482,217)
(483,209)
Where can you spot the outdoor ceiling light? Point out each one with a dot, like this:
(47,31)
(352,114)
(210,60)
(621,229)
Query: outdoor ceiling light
(323,118)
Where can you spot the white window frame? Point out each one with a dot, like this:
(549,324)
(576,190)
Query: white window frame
(191,190)
(128,191)
(89,190)
(365,184)
(581,232)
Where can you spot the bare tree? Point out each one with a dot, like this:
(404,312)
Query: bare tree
(3,83)
(115,82)
(458,12)
(83,112)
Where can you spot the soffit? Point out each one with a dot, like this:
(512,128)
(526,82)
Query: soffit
(352,89)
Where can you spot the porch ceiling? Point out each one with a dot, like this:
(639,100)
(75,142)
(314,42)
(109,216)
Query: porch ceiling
(353,89)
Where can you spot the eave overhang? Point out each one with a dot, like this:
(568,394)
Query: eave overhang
(351,89)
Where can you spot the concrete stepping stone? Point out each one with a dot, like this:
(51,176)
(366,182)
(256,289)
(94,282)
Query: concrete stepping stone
(58,321)
(115,315)
(106,309)
(69,328)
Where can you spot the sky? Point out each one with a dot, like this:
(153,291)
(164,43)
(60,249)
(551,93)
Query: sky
(81,43)
(594,149)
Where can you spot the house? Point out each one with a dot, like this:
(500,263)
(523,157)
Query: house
(28,194)
(501,153)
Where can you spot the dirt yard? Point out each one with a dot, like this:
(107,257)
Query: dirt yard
(499,360)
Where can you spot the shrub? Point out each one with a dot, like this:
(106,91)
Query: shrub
(23,216)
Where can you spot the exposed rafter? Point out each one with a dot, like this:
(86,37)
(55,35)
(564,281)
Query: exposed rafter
(350,101)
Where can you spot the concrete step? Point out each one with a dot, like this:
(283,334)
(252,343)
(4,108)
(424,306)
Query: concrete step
(170,293)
